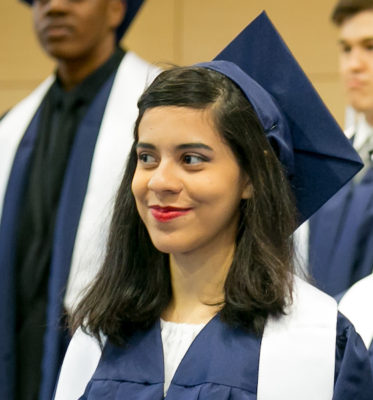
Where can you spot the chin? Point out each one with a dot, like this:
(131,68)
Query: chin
(60,51)
(167,248)
(361,105)
(171,247)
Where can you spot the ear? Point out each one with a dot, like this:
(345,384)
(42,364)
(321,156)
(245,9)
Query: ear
(247,191)
(117,10)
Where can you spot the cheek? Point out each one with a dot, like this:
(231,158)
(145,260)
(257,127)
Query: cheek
(136,186)
(218,193)
(93,23)
(342,66)
(139,186)
(138,191)
(36,18)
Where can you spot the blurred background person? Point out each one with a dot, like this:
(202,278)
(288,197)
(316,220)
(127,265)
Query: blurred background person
(355,19)
(341,232)
(63,149)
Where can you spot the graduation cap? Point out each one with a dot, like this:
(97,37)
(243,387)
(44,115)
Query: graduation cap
(132,7)
(314,151)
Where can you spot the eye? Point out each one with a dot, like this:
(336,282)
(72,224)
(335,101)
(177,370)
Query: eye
(193,159)
(368,46)
(146,159)
(345,48)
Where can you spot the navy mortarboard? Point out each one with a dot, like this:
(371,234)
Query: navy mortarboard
(316,155)
(132,7)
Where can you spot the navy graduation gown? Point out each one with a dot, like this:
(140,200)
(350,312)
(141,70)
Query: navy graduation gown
(221,364)
(67,220)
(341,237)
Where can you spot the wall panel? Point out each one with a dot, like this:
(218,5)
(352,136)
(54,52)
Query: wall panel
(154,33)
(183,32)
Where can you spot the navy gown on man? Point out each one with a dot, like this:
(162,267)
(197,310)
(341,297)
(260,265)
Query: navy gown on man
(59,170)
(341,237)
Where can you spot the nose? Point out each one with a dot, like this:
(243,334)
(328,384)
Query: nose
(165,179)
(55,6)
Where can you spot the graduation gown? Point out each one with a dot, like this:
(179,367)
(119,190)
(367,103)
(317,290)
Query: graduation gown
(306,355)
(357,304)
(93,173)
(341,237)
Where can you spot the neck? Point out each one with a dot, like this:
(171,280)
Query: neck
(369,117)
(197,285)
(73,71)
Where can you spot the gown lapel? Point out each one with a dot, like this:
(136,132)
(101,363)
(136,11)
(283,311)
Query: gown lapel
(131,372)
(341,239)
(219,355)
(8,231)
(348,262)
(325,227)
(221,360)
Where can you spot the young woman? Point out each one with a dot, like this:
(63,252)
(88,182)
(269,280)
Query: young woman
(197,298)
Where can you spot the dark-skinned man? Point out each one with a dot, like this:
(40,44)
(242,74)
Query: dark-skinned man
(62,151)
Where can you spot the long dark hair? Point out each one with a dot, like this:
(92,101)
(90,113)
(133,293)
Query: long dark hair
(133,286)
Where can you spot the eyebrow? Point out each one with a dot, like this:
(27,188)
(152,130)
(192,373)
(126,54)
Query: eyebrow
(145,145)
(184,146)
(366,39)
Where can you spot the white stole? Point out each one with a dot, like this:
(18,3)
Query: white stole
(79,364)
(356,305)
(12,129)
(297,356)
(112,148)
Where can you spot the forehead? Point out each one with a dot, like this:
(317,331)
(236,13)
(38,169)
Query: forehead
(358,27)
(171,123)
(83,4)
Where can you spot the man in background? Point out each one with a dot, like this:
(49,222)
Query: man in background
(341,233)
(62,152)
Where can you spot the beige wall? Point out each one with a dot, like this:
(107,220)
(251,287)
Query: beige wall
(183,32)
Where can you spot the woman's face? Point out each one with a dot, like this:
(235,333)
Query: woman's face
(187,184)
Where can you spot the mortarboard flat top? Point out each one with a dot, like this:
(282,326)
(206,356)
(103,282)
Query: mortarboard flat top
(132,7)
(317,156)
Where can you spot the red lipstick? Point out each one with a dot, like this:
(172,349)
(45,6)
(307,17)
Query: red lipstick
(165,214)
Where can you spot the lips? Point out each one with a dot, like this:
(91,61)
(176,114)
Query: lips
(57,30)
(165,214)
(355,84)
